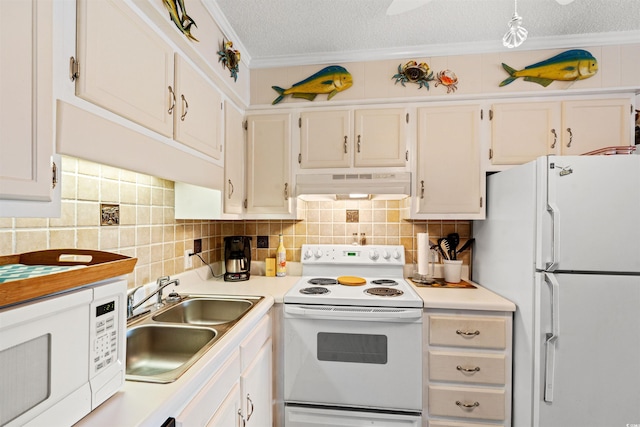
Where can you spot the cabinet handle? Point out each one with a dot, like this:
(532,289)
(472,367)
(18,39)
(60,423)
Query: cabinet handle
(172,100)
(470,370)
(241,421)
(230,189)
(422,189)
(286,191)
(467,333)
(345,144)
(185,107)
(250,407)
(555,138)
(570,137)
(359,143)
(467,405)
(54,177)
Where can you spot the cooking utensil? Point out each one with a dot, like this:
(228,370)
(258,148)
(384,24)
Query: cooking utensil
(443,245)
(454,241)
(466,245)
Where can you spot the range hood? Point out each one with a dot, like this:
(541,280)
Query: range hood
(386,185)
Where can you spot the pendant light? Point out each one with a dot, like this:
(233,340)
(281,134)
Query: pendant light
(517,33)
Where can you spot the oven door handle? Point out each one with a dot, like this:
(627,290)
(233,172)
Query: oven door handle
(368,314)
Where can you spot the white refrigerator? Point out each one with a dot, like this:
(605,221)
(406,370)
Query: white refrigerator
(561,241)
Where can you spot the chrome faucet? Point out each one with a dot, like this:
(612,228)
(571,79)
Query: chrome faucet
(162,283)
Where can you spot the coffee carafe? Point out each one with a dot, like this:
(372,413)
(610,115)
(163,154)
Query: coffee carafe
(237,258)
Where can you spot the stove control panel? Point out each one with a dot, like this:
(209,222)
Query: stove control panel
(352,254)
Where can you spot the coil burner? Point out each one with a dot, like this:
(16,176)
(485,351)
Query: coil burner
(386,282)
(384,292)
(314,290)
(323,281)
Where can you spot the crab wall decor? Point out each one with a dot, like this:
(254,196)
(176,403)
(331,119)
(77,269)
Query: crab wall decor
(448,79)
(230,58)
(413,72)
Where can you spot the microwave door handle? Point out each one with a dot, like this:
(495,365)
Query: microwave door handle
(552,338)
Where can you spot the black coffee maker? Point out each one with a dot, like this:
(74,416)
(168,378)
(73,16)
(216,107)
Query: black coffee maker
(237,258)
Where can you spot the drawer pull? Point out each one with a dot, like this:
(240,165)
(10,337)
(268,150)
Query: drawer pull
(467,333)
(467,405)
(460,368)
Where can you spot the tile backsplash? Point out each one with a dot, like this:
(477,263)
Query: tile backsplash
(148,229)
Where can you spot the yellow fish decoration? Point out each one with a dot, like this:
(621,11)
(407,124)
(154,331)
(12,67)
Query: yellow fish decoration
(572,65)
(178,14)
(331,80)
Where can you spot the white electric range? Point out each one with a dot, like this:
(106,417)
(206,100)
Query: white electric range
(353,340)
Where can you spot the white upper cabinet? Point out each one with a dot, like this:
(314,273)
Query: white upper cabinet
(380,137)
(234,170)
(198,110)
(125,67)
(522,131)
(269,164)
(448,175)
(348,138)
(27,137)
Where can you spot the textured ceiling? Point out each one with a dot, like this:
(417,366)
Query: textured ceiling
(294,32)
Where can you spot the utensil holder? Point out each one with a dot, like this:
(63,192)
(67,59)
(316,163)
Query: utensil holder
(452,270)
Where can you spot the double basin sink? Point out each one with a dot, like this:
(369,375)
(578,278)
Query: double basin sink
(163,344)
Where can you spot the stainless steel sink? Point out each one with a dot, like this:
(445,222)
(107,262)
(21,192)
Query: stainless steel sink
(161,353)
(165,343)
(205,311)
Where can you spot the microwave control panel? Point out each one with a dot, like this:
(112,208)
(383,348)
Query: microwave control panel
(106,333)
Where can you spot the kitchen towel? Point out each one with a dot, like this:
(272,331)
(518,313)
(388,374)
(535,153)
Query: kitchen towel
(423,253)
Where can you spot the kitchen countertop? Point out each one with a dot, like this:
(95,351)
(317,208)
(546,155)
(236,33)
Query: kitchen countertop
(139,403)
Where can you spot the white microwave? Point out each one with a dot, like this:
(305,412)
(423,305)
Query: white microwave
(63,355)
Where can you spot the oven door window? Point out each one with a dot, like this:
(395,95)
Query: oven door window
(354,348)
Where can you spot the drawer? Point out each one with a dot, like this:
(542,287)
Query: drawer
(461,331)
(467,402)
(442,423)
(477,368)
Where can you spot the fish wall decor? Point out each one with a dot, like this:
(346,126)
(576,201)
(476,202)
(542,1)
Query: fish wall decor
(330,80)
(178,14)
(230,58)
(571,65)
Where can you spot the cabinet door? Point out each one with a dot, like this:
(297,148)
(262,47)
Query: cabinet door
(230,413)
(325,139)
(197,119)
(268,163)
(521,132)
(593,124)
(256,383)
(125,67)
(448,175)
(233,160)
(26,122)
(380,137)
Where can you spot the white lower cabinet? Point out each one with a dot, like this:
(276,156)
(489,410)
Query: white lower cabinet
(240,393)
(467,365)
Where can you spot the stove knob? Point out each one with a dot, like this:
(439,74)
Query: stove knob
(308,254)
(318,253)
(396,255)
(386,255)
(373,255)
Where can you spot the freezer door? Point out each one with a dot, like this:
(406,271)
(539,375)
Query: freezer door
(588,334)
(588,222)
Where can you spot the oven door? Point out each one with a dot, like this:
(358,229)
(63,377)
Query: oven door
(369,357)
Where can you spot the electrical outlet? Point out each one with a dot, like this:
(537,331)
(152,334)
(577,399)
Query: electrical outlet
(188,260)
(197,246)
(263,242)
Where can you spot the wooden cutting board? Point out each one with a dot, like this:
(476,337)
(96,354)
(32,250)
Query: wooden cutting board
(351,280)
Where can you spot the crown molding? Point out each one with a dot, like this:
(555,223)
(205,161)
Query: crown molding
(449,49)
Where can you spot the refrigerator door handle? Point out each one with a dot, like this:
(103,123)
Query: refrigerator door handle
(552,337)
(552,208)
